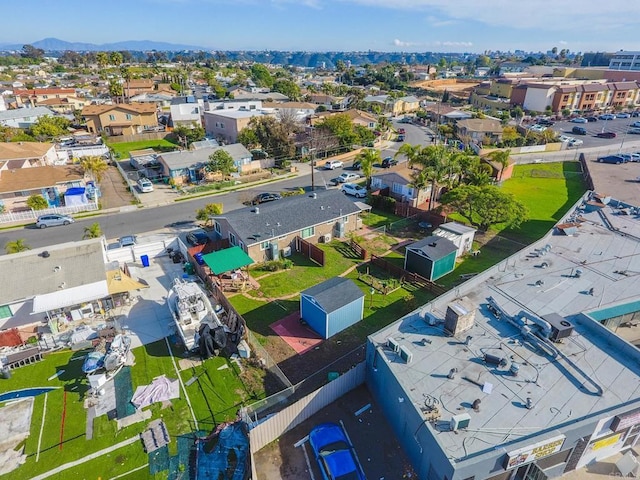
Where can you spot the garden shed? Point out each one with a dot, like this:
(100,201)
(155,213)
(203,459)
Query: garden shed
(461,235)
(431,257)
(332,306)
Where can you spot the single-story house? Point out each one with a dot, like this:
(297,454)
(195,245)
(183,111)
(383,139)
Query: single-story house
(298,110)
(187,166)
(26,154)
(269,230)
(480,128)
(461,235)
(431,257)
(53,285)
(23,117)
(16,186)
(358,117)
(331,306)
(399,182)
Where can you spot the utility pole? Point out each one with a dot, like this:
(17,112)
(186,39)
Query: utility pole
(312,160)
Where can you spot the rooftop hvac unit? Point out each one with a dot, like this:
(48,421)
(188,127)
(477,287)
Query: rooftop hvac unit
(560,327)
(405,354)
(459,421)
(393,344)
(286,252)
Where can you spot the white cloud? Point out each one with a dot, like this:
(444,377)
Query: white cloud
(542,14)
(401,43)
(454,44)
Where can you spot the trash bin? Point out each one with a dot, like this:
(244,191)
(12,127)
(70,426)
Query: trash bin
(188,268)
(145,260)
(199,259)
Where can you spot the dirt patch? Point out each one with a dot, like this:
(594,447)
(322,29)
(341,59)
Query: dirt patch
(382,458)
(114,191)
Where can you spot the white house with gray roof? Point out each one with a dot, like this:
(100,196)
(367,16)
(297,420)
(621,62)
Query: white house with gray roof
(187,166)
(51,281)
(23,117)
(271,229)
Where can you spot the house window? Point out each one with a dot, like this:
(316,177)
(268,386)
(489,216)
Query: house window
(241,245)
(345,220)
(308,232)
(112,117)
(5,311)
(397,188)
(128,116)
(264,245)
(232,239)
(216,227)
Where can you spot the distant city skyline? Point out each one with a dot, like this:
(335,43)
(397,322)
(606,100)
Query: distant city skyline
(334,25)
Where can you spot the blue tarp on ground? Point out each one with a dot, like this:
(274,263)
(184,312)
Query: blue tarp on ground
(229,454)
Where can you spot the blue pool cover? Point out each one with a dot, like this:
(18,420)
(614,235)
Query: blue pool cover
(26,392)
(229,459)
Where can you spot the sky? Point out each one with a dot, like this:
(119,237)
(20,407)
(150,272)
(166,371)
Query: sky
(334,25)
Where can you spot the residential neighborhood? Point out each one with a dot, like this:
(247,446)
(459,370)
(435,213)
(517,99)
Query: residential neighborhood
(246,263)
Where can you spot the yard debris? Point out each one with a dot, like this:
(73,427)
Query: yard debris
(160,389)
(363,409)
(155,436)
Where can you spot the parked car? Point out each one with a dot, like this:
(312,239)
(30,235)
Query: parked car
(579,120)
(565,138)
(545,122)
(634,130)
(606,135)
(607,116)
(635,124)
(402,131)
(145,185)
(53,220)
(623,115)
(197,237)
(356,165)
(388,162)
(334,453)
(635,114)
(579,130)
(536,127)
(592,119)
(357,191)
(576,142)
(127,241)
(400,138)
(348,177)
(615,159)
(265,197)
(333,164)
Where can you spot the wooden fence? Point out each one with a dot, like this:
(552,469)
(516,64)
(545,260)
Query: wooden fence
(359,249)
(138,137)
(404,209)
(407,276)
(310,251)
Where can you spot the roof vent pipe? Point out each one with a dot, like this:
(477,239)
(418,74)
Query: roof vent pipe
(257,210)
(452,373)
(476,405)
(529,403)
(468,340)
(314,195)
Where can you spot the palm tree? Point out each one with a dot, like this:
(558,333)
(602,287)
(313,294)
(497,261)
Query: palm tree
(103,59)
(94,166)
(501,157)
(126,75)
(367,158)
(92,231)
(16,246)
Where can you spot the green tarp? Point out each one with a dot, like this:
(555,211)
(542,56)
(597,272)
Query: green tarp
(227,260)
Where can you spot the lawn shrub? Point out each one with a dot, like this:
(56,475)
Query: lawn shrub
(277,265)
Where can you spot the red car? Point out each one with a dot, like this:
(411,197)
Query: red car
(606,135)
(401,131)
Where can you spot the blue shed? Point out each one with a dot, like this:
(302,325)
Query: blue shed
(431,257)
(332,306)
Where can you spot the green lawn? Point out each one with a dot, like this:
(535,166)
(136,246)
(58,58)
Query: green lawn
(215,397)
(161,145)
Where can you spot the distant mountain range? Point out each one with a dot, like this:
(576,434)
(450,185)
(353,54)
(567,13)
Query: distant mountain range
(57,45)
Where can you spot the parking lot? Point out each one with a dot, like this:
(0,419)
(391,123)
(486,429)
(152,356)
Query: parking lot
(619,126)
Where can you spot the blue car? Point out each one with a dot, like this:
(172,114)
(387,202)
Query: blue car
(334,453)
(615,159)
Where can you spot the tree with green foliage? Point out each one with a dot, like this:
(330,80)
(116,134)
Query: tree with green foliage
(342,127)
(486,206)
(207,213)
(501,157)
(102,58)
(221,161)
(288,88)
(115,58)
(187,135)
(94,166)
(37,202)
(49,127)
(115,88)
(32,53)
(16,246)
(367,158)
(248,138)
(261,75)
(273,137)
(92,231)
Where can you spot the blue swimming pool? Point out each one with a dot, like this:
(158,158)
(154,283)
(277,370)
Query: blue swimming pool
(25,392)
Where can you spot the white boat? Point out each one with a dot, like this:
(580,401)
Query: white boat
(110,362)
(191,308)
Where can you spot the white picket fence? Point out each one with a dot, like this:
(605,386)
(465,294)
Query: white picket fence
(32,215)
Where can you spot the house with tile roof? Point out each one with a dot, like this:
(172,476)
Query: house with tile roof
(34,97)
(270,229)
(120,119)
